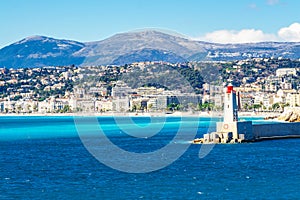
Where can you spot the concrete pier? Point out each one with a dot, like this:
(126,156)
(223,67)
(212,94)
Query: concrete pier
(276,131)
(233,131)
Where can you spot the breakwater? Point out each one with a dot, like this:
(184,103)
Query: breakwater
(290,114)
(287,127)
(233,131)
(276,131)
(237,132)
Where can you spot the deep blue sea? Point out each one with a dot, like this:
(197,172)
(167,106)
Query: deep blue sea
(44,158)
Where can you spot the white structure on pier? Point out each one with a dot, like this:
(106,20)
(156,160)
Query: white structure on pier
(230,105)
(230,130)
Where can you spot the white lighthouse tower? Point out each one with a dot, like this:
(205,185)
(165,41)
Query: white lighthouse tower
(231,129)
(230,105)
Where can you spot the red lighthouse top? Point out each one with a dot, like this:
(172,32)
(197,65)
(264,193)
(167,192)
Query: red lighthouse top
(229,89)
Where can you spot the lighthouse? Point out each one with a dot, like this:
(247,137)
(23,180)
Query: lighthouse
(230,130)
(230,105)
(229,125)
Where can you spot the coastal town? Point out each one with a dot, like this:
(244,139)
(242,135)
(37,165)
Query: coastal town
(262,84)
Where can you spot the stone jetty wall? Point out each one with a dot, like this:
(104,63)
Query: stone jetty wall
(276,130)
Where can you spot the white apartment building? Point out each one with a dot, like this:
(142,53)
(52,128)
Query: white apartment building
(120,104)
(293,99)
(120,91)
(104,105)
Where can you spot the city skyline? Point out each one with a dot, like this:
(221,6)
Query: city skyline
(211,21)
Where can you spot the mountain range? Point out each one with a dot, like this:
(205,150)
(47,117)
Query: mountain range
(125,48)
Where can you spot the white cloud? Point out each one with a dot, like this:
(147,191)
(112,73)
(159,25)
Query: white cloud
(242,36)
(253,6)
(272,2)
(291,33)
(287,34)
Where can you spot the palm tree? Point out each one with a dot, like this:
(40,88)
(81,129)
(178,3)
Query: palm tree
(261,105)
(246,106)
(275,106)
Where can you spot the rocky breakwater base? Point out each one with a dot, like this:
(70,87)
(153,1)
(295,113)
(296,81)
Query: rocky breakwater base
(290,115)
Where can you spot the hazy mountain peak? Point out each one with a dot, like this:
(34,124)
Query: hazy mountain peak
(36,51)
(148,33)
(31,38)
(159,31)
(148,44)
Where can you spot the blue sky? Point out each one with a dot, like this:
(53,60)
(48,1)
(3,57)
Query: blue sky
(209,20)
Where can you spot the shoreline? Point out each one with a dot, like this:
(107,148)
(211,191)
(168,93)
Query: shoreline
(132,114)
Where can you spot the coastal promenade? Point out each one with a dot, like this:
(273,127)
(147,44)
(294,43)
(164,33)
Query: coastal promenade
(147,114)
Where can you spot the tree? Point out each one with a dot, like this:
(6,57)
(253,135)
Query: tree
(28,108)
(207,106)
(19,108)
(256,106)
(150,106)
(17,97)
(261,105)
(275,106)
(66,109)
(35,108)
(173,106)
(246,106)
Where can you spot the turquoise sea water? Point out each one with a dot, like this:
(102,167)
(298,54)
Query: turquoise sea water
(44,158)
